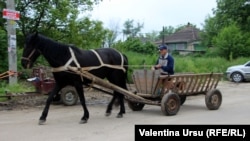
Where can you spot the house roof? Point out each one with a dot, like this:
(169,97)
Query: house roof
(187,34)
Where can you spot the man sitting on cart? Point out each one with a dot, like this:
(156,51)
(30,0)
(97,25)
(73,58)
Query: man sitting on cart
(165,62)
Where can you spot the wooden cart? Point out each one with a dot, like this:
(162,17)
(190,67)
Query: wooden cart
(167,91)
(171,90)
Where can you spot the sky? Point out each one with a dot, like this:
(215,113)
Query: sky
(154,14)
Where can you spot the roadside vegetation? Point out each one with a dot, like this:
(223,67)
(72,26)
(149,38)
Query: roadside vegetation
(225,34)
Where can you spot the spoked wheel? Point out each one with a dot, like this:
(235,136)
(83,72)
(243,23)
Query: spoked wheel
(69,96)
(170,104)
(135,106)
(213,99)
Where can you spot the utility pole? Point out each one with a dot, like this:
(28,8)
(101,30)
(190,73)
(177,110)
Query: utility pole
(11,25)
(163,35)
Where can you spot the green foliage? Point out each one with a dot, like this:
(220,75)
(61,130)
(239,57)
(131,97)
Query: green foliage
(200,64)
(228,30)
(230,11)
(210,30)
(60,21)
(16,88)
(135,45)
(230,43)
(184,64)
(167,30)
(3,51)
(131,30)
(86,34)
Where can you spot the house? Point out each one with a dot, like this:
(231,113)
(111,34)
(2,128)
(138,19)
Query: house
(184,41)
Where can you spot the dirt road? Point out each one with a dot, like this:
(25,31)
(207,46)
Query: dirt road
(62,122)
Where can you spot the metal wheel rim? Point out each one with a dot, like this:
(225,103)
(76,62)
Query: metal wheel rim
(171,105)
(237,77)
(215,99)
(69,96)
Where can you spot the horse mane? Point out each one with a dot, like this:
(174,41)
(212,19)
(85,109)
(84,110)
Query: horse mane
(56,48)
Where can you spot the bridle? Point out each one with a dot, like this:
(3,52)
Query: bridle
(28,58)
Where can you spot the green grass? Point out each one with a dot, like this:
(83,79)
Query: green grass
(15,88)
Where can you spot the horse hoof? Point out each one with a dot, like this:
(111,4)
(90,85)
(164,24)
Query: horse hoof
(41,122)
(119,116)
(108,114)
(83,121)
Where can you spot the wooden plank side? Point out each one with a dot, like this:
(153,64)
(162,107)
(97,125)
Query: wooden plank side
(146,79)
(183,84)
(217,78)
(210,82)
(135,82)
(155,76)
(153,82)
(204,81)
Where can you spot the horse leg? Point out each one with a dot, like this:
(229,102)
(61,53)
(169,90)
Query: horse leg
(110,105)
(120,98)
(48,101)
(80,92)
(117,81)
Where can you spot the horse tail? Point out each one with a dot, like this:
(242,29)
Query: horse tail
(126,67)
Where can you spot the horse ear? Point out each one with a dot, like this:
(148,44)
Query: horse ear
(36,33)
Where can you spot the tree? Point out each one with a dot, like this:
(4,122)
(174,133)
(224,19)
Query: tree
(3,41)
(167,30)
(59,19)
(229,43)
(210,30)
(229,11)
(152,36)
(130,30)
(3,51)
(231,17)
(112,33)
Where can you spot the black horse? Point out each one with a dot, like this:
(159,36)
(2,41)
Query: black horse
(104,63)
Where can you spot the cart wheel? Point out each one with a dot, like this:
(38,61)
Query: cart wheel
(213,99)
(182,98)
(170,104)
(69,96)
(135,106)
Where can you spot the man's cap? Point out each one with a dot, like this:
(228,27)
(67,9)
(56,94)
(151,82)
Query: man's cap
(161,47)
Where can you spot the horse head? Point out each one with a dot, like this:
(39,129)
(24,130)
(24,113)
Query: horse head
(30,51)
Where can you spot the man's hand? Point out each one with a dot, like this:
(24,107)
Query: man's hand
(153,68)
(157,66)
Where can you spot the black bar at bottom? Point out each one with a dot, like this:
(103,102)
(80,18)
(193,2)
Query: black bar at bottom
(194,132)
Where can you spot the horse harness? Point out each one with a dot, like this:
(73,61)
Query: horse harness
(32,52)
(73,59)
